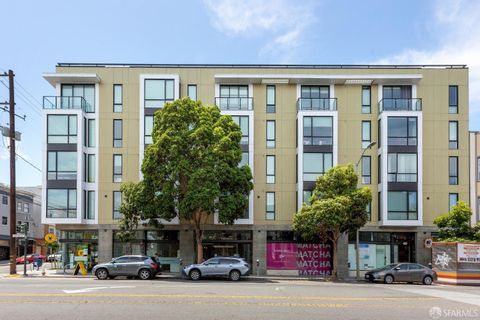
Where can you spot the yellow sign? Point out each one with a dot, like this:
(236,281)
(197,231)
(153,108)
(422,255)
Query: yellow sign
(50,238)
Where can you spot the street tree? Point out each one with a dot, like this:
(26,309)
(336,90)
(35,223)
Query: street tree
(455,225)
(191,171)
(336,207)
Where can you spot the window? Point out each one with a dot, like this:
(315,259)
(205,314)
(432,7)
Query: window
(271,99)
(379,163)
(117,202)
(366,170)
(307,195)
(402,205)
(452,200)
(148,130)
(397,98)
(90,133)
(19,206)
(402,131)
(244,161)
(315,98)
(4,200)
(90,205)
(26,208)
(369,211)
(192,91)
(117,168)
(117,98)
(234,97)
(453,134)
(366,99)
(366,134)
(270,133)
(62,129)
(61,203)
(242,121)
(270,169)
(87,91)
(117,133)
(157,92)
(453,170)
(452,99)
(4,221)
(62,165)
(315,164)
(317,131)
(402,167)
(89,163)
(270,206)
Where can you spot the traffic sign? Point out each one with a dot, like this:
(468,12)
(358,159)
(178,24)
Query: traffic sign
(50,238)
(18,235)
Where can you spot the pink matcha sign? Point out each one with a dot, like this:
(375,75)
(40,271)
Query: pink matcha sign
(308,259)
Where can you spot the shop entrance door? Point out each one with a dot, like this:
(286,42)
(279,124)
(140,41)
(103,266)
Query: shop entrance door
(220,250)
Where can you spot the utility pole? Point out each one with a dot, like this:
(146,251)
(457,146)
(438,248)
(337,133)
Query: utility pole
(13,193)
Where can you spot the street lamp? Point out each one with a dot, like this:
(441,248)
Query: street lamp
(357,233)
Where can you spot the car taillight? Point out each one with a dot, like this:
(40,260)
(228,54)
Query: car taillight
(154,265)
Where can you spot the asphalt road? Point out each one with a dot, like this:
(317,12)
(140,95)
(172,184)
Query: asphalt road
(70,298)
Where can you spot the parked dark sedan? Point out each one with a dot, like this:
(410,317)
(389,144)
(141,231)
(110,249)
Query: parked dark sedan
(402,272)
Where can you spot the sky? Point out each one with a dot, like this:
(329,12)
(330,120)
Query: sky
(37,35)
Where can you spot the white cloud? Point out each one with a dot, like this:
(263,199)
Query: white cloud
(457,25)
(282,22)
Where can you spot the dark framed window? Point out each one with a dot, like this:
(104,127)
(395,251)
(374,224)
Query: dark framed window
(402,205)
(117,167)
(148,129)
(317,131)
(89,167)
(366,170)
(192,91)
(307,196)
(234,97)
(26,207)
(402,167)
(5,200)
(453,135)
(366,99)
(117,202)
(379,165)
(271,169)
(453,170)
(62,165)
(117,133)
(452,200)
(369,211)
(4,221)
(452,99)
(271,99)
(316,164)
(89,204)
(242,122)
(244,161)
(271,133)
(90,132)
(61,203)
(315,98)
(117,98)
(62,129)
(158,91)
(379,205)
(402,131)
(366,133)
(270,205)
(87,91)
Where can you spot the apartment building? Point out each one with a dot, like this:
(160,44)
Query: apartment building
(475,176)
(405,126)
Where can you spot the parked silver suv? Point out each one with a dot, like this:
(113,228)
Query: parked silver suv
(231,267)
(143,267)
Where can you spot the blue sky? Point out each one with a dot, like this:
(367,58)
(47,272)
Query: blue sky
(38,34)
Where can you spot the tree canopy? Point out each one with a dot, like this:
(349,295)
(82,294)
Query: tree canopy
(191,170)
(455,225)
(337,206)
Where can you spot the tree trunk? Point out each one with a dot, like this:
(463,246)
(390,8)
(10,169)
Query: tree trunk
(199,240)
(128,249)
(334,260)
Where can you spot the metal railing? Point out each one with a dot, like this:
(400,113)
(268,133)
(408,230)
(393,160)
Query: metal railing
(317,104)
(400,104)
(234,103)
(58,102)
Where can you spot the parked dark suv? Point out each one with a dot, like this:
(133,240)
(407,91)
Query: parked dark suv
(143,267)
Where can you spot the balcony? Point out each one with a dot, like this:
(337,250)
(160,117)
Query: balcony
(317,104)
(234,103)
(400,104)
(57,102)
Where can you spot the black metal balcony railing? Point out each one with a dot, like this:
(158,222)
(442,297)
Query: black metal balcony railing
(317,104)
(401,104)
(57,102)
(234,103)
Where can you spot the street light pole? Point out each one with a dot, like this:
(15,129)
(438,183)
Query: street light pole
(357,233)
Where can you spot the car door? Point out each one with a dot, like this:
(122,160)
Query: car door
(225,266)
(415,272)
(119,266)
(401,272)
(210,267)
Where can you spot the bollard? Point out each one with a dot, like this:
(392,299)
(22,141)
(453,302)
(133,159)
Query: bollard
(258,267)
(43,270)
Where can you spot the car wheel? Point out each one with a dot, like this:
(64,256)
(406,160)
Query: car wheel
(388,279)
(427,280)
(234,275)
(145,274)
(194,274)
(102,274)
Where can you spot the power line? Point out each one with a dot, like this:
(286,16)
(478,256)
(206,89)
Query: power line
(24,98)
(28,162)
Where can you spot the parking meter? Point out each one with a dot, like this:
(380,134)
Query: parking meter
(258,267)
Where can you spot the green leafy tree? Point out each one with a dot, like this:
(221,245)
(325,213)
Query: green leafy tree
(455,225)
(191,171)
(337,206)
(131,210)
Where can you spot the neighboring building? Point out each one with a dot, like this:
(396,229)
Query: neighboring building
(475,176)
(28,210)
(297,122)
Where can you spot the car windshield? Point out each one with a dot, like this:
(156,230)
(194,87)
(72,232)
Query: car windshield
(388,267)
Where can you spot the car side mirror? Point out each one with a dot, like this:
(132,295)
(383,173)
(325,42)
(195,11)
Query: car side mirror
(396,268)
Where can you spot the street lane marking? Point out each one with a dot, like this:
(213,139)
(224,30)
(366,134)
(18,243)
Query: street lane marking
(85,290)
(462,297)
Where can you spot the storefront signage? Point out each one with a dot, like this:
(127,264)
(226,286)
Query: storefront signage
(308,259)
(468,253)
